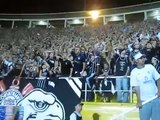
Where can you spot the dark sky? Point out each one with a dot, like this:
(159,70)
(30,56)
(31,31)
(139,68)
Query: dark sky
(51,6)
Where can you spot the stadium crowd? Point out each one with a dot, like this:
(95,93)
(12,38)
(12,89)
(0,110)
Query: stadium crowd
(88,52)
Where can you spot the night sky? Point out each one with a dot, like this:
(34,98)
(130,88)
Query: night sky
(52,6)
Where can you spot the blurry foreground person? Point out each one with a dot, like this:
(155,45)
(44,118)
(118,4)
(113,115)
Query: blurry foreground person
(156,63)
(76,115)
(144,78)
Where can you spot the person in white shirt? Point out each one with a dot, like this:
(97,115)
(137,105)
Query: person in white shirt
(144,79)
(76,115)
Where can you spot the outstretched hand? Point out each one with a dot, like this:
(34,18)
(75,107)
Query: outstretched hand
(139,104)
(158,94)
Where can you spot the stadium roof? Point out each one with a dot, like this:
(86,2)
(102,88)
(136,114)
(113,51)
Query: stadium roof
(54,6)
(64,15)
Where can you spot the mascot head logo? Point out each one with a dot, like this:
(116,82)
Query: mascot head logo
(40,105)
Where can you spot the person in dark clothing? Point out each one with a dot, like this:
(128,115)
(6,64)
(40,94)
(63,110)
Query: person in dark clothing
(44,72)
(76,115)
(66,66)
(156,63)
(149,53)
(78,62)
(106,84)
(122,69)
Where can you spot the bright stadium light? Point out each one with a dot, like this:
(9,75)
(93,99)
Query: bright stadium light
(115,18)
(94,14)
(77,21)
(42,22)
(156,12)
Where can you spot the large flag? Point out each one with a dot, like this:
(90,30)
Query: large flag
(42,98)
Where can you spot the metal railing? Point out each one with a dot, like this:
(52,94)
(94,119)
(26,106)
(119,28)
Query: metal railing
(113,90)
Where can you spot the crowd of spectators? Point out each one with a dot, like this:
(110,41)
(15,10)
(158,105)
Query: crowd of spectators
(86,51)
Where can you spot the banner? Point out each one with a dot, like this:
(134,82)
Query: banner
(42,98)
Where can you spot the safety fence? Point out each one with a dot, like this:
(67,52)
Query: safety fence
(113,88)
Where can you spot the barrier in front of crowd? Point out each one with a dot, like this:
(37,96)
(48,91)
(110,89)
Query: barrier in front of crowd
(113,90)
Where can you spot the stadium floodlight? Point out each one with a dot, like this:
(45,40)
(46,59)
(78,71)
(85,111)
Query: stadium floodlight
(156,12)
(94,14)
(42,23)
(77,21)
(115,18)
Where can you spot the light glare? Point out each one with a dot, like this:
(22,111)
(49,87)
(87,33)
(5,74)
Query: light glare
(94,14)
(42,23)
